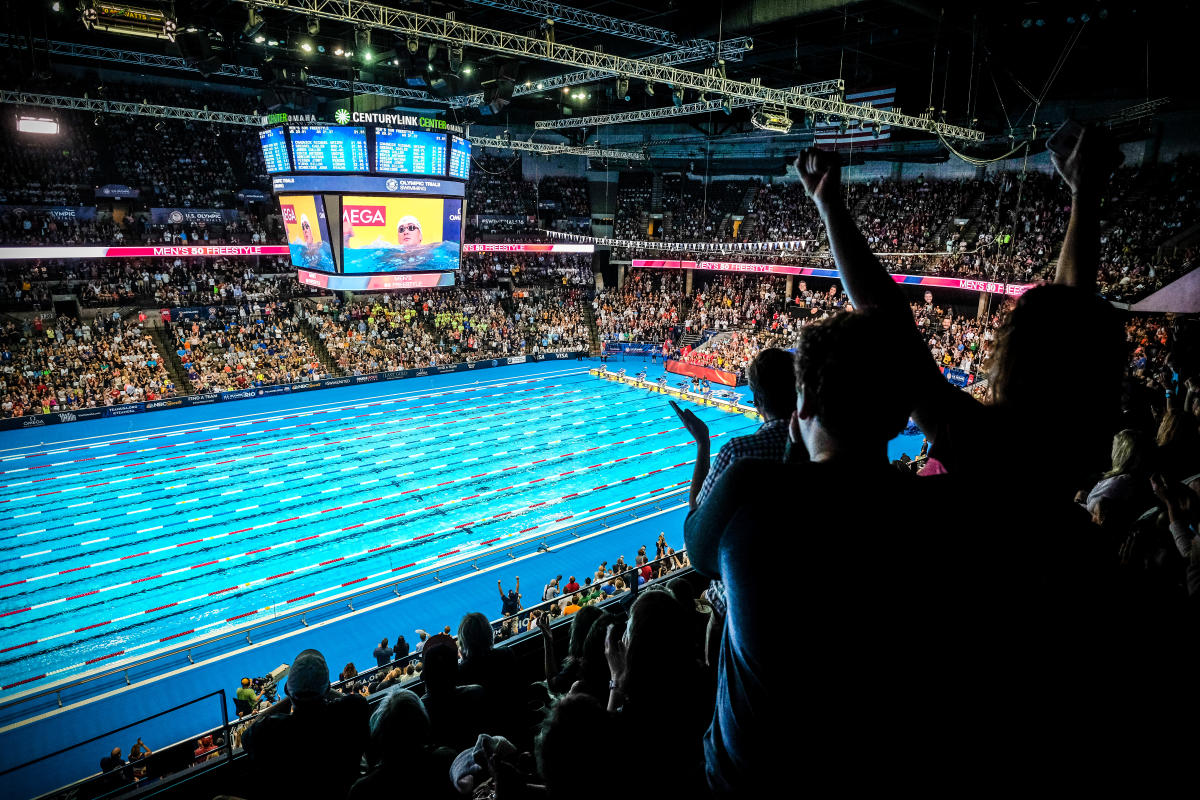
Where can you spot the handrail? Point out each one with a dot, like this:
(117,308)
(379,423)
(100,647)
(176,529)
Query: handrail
(298,614)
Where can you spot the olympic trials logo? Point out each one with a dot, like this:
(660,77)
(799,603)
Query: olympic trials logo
(175,217)
(392,184)
(341,116)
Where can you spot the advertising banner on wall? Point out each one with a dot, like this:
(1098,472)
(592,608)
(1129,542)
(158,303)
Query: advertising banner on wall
(697,371)
(181,216)
(65,213)
(116,190)
(166,251)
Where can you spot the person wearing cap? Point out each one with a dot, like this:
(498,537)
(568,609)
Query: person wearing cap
(246,693)
(316,735)
(408,231)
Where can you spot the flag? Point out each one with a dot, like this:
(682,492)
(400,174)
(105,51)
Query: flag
(858,133)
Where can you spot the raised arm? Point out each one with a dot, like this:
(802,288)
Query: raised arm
(864,278)
(1085,171)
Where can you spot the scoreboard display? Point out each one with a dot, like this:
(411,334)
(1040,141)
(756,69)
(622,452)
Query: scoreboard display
(410,152)
(325,148)
(373,206)
(275,151)
(460,158)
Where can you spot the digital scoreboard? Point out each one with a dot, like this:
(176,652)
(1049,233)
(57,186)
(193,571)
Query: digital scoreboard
(460,158)
(410,152)
(325,148)
(275,150)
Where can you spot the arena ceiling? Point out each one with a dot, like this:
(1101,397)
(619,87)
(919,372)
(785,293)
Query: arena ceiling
(971,60)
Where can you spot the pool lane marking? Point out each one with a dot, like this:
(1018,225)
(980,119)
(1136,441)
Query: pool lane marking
(473,547)
(294,426)
(380,461)
(331,532)
(397,397)
(344,506)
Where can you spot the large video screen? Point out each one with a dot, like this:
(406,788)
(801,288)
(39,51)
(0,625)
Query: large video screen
(460,158)
(400,234)
(328,148)
(275,151)
(307,231)
(410,152)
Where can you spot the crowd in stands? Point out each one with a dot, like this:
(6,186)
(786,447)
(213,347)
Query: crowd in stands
(646,309)
(497,187)
(60,364)
(569,194)
(446,326)
(230,351)
(523,269)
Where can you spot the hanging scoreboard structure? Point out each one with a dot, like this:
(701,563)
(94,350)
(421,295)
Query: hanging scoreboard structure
(371,206)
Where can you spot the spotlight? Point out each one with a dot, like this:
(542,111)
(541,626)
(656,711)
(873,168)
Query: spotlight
(1026,23)
(56,7)
(306,47)
(338,51)
(254,22)
(649,89)
(677,96)
(455,55)
(395,62)
(320,48)
(431,52)
(414,44)
(566,90)
(541,86)
(259,39)
(314,26)
(367,55)
(362,38)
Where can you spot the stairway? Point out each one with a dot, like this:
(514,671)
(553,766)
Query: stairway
(656,193)
(589,317)
(164,341)
(319,347)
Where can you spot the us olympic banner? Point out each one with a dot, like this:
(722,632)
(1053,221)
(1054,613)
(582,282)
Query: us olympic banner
(166,251)
(697,371)
(967,284)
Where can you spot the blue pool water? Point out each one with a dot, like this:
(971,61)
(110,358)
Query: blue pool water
(113,550)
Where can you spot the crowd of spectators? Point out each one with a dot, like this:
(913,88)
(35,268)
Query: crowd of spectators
(49,170)
(256,346)
(60,364)
(497,187)
(527,269)
(646,309)
(568,194)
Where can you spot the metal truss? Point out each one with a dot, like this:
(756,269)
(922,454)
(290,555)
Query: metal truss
(556,149)
(730,50)
(153,60)
(584,19)
(407,23)
(689,247)
(128,109)
(665,112)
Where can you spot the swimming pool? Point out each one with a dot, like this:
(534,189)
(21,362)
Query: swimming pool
(112,550)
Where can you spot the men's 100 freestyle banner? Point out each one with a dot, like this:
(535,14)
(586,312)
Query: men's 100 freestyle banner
(400,234)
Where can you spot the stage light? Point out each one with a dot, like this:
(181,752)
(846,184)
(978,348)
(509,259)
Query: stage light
(254,22)
(41,125)
(314,26)
(414,44)
(56,7)
(337,51)
(466,70)
(541,86)
(367,55)
(306,47)
(320,48)
(259,39)
(649,89)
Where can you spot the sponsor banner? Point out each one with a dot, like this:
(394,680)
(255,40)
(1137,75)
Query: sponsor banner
(957,377)
(529,248)
(697,371)
(172,402)
(449,369)
(516,359)
(967,284)
(124,410)
(361,379)
(180,216)
(80,415)
(271,391)
(252,195)
(420,373)
(515,219)
(301,387)
(208,398)
(116,190)
(632,348)
(80,213)
(366,184)
(338,381)
(372,283)
(240,394)
(166,251)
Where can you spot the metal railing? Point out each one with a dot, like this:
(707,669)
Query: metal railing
(345,602)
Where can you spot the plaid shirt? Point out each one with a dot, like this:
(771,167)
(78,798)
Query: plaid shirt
(769,442)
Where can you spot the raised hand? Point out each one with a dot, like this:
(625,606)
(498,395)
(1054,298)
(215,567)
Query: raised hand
(821,174)
(1090,163)
(695,426)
